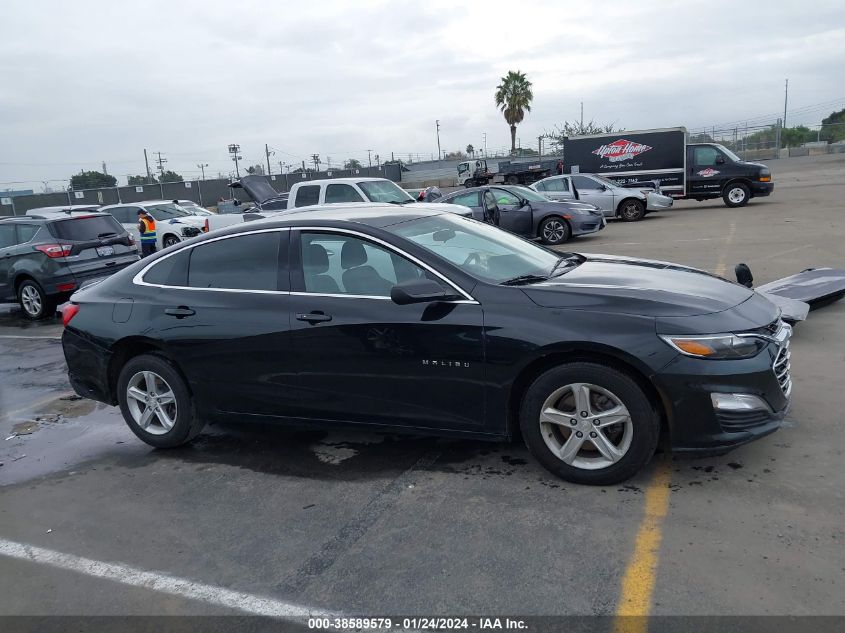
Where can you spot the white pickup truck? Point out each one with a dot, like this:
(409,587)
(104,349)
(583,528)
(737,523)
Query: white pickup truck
(311,193)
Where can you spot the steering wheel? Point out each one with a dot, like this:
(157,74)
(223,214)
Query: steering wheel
(473,259)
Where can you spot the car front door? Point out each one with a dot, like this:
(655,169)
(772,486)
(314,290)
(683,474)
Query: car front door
(471,199)
(361,358)
(707,170)
(593,192)
(222,310)
(515,214)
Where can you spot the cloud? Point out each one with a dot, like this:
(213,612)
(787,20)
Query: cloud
(99,80)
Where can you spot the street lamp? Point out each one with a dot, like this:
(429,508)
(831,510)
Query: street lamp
(233,150)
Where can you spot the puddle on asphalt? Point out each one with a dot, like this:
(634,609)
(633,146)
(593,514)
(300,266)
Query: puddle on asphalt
(12,317)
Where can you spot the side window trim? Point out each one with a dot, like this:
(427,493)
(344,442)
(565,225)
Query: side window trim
(298,281)
(138,279)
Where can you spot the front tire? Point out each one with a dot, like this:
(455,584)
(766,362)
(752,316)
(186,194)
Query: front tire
(512,180)
(36,305)
(631,210)
(156,403)
(736,195)
(589,423)
(170,240)
(554,231)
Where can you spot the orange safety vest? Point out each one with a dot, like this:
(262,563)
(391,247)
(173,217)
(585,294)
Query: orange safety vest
(149,232)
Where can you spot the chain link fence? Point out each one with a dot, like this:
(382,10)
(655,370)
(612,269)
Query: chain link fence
(761,142)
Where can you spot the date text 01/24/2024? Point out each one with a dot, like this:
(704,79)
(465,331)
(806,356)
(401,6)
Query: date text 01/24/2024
(416,623)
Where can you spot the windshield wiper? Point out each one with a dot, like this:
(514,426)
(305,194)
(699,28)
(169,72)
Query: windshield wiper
(105,235)
(522,280)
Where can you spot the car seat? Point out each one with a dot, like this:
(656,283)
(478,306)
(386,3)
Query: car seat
(315,264)
(358,277)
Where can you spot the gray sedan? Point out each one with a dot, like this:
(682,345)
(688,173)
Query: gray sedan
(525,212)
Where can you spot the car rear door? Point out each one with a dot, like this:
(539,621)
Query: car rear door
(593,192)
(471,199)
(100,246)
(8,242)
(361,358)
(556,188)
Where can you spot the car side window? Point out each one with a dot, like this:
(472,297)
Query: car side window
(706,156)
(540,186)
(582,182)
(308,195)
(489,200)
(26,232)
(505,198)
(342,193)
(170,271)
(333,263)
(470,199)
(243,262)
(557,184)
(7,235)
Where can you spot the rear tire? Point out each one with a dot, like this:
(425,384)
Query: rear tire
(552,413)
(631,210)
(736,195)
(36,305)
(156,403)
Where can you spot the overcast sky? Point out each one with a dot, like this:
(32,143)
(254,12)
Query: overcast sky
(86,81)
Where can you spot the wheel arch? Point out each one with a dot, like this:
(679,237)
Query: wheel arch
(551,214)
(588,352)
(22,277)
(128,348)
(738,179)
(624,200)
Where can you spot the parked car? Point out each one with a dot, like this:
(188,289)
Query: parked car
(173,223)
(193,208)
(372,316)
(43,259)
(67,209)
(527,213)
(614,200)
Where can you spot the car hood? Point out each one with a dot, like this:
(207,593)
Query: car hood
(611,283)
(450,208)
(257,188)
(189,220)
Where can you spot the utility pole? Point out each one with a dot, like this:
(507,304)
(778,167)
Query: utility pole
(540,146)
(105,171)
(281,167)
(267,153)
(316,159)
(484,134)
(147,163)
(437,123)
(582,117)
(370,158)
(160,162)
(785,99)
(234,148)
(378,162)
(202,166)
(328,163)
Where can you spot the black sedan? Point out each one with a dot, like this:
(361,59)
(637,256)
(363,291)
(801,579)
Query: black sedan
(394,318)
(527,213)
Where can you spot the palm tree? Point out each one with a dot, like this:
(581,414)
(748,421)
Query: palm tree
(513,98)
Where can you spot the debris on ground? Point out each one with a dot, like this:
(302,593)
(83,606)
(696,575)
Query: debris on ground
(25,428)
(14,459)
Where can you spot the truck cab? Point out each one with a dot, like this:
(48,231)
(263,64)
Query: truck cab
(473,173)
(714,171)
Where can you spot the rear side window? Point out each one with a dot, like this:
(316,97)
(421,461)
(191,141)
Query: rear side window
(245,262)
(85,228)
(7,235)
(342,193)
(170,271)
(26,232)
(467,199)
(582,182)
(556,184)
(307,195)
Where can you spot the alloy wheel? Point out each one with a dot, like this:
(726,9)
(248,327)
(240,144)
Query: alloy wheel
(31,300)
(554,231)
(631,211)
(586,426)
(151,402)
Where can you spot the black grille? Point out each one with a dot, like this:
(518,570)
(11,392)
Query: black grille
(741,420)
(781,369)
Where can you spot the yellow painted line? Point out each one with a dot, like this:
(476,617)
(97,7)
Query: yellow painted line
(640,574)
(722,267)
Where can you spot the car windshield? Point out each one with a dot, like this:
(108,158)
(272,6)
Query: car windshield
(605,181)
(483,251)
(728,153)
(165,211)
(528,194)
(384,191)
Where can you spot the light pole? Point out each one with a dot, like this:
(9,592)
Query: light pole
(233,150)
(437,124)
(202,166)
(370,158)
(485,143)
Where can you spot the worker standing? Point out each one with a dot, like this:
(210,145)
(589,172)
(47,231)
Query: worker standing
(147,228)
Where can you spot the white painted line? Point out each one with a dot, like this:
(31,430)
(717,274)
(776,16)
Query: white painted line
(156,581)
(46,338)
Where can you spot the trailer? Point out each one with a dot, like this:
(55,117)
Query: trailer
(476,174)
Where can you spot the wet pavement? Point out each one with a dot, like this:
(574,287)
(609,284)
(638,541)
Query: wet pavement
(382,523)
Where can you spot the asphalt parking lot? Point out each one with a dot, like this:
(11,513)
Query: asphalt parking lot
(383,524)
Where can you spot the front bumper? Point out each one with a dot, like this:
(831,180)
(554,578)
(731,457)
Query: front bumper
(759,189)
(583,225)
(658,202)
(696,426)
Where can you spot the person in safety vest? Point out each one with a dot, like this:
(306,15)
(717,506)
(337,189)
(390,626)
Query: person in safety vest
(147,228)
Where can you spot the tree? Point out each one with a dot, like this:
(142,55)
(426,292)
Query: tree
(459,155)
(352,163)
(833,127)
(92,180)
(577,128)
(470,150)
(170,176)
(513,97)
(256,170)
(141,180)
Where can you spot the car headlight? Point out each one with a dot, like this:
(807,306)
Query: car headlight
(717,346)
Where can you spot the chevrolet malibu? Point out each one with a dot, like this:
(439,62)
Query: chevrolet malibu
(416,320)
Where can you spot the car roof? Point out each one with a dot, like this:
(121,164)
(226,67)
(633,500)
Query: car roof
(53,215)
(374,214)
(348,179)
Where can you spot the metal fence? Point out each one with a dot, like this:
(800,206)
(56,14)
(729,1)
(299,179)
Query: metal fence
(772,140)
(204,192)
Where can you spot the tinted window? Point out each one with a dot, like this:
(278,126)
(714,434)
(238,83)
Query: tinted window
(26,232)
(126,215)
(246,262)
(582,182)
(556,184)
(171,271)
(505,197)
(7,235)
(706,156)
(384,191)
(342,264)
(342,193)
(307,195)
(86,228)
(540,186)
(470,199)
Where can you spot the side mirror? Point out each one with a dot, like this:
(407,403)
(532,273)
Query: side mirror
(720,160)
(418,291)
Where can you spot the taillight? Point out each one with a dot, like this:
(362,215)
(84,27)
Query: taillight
(65,287)
(55,250)
(68,312)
